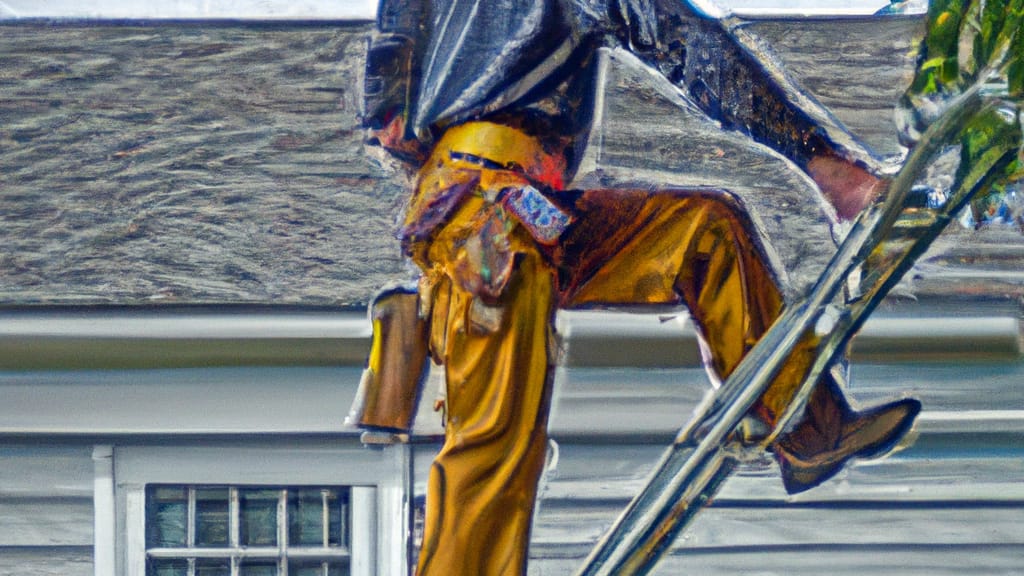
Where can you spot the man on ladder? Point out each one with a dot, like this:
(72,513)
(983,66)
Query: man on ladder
(489,101)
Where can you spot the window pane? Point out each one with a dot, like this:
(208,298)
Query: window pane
(166,567)
(316,568)
(212,517)
(258,568)
(338,512)
(189,517)
(338,568)
(167,515)
(306,516)
(305,568)
(213,567)
(258,510)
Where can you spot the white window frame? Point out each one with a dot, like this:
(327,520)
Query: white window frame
(379,478)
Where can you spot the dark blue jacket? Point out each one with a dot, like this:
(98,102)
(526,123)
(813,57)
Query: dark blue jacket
(441,62)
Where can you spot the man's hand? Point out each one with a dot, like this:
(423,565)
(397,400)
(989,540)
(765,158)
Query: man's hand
(392,137)
(847,186)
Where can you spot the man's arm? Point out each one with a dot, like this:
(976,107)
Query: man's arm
(392,77)
(734,78)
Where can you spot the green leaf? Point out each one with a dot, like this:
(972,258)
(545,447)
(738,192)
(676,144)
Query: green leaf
(973,45)
(937,61)
(1015,69)
(989,154)
(963,38)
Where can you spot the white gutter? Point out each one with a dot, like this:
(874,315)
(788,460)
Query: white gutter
(127,338)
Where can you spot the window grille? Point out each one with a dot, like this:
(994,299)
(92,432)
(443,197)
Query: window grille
(208,530)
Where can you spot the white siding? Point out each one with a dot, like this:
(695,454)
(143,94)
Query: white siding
(46,512)
(951,503)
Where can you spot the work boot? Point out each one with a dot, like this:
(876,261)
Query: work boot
(832,433)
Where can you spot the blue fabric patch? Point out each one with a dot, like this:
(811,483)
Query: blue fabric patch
(545,221)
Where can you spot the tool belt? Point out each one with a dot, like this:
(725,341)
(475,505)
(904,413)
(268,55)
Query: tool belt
(503,165)
(496,177)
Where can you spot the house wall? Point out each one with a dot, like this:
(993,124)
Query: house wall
(949,504)
(46,508)
(952,503)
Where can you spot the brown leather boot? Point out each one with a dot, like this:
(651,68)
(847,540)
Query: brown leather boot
(832,433)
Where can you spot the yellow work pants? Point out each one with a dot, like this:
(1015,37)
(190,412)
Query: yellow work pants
(491,291)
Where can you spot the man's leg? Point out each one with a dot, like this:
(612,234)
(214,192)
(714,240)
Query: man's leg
(698,248)
(490,296)
(482,485)
(676,247)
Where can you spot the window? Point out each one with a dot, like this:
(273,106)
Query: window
(247,531)
(311,507)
